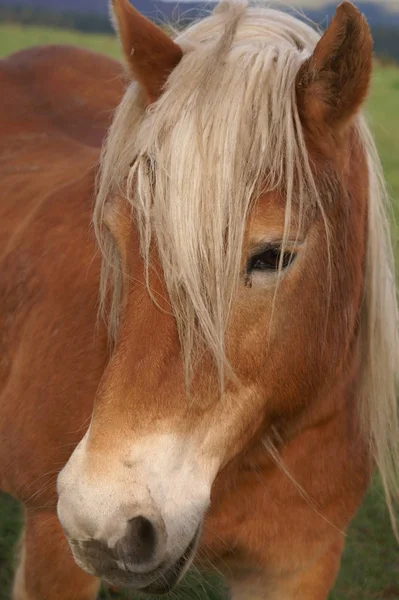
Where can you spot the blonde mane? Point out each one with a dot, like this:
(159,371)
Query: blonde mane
(192,165)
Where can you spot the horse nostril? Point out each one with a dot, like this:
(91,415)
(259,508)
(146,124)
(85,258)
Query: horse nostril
(140,542)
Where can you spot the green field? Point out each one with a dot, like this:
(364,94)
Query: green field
(370,568)
(16,37)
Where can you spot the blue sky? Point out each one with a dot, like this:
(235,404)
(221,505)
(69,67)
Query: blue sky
(391,4)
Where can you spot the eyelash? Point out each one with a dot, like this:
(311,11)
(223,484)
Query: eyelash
(269,260)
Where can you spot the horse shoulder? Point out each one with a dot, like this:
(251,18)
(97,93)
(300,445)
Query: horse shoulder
(52,354)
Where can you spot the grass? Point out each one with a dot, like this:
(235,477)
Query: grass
(17,37)
(370,566)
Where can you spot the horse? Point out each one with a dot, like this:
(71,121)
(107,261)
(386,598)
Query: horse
(199,348)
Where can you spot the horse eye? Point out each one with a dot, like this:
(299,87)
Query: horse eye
(269,260)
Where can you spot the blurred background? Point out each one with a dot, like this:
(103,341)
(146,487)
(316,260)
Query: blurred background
(370,568)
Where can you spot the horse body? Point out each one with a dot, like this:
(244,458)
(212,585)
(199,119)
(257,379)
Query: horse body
(259,471)
(51,134)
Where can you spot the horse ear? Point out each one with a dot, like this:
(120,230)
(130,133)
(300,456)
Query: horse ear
(150,53)
(333,83)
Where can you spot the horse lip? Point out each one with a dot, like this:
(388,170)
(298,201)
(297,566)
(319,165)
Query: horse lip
(168,579)
(162,579)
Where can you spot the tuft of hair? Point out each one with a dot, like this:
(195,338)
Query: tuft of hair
(191,166)
(380,331)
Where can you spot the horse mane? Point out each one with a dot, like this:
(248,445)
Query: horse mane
(191,166)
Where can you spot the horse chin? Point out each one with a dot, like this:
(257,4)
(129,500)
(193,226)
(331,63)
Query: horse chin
(168,579)
(160,581)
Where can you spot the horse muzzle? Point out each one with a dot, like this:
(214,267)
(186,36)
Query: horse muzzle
(135,562)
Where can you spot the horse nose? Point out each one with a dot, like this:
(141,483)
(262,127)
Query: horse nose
(142,541)
(140,551)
